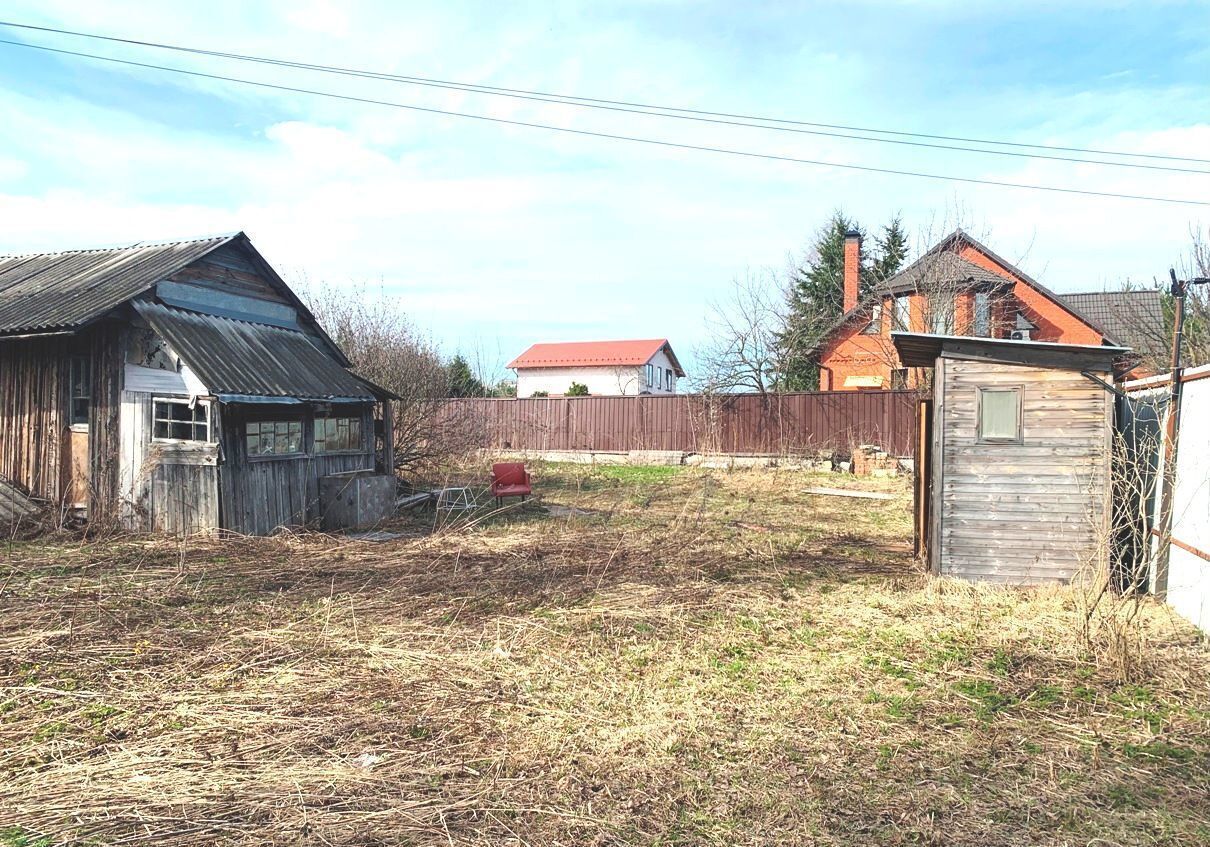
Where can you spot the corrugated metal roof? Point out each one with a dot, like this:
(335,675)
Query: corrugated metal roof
(56,291)
(237,357)
(588,354)
(920,350)
(1133,318)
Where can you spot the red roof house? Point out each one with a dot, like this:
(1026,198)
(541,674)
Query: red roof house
(629,366)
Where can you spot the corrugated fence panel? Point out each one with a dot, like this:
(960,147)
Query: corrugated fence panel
(778,424)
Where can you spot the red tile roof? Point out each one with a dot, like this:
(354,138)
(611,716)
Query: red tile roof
(589,354)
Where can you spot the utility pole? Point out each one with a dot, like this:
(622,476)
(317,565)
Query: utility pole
(1171,430)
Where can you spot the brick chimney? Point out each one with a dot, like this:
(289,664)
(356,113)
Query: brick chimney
(852,268)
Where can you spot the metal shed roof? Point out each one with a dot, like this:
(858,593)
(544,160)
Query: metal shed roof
(46,292)
(921,350)
(233,357)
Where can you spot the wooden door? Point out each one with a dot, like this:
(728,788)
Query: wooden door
(922,462)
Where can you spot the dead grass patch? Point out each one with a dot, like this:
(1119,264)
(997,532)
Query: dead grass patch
(680,658)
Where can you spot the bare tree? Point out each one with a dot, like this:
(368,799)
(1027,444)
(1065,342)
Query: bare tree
(387,349)
(742,354)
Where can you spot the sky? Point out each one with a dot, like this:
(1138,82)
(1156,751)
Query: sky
(491,237)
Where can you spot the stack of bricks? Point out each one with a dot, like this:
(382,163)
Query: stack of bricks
(870,460)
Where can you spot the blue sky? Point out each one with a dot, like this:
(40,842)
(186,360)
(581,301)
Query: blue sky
(491,237)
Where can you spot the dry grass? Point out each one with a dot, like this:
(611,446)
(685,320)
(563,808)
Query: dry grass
(682,657)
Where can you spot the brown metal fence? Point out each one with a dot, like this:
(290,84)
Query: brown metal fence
(782,424)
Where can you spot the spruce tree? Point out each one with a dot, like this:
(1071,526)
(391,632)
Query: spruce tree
(815,300)
(462,380)
(892,251)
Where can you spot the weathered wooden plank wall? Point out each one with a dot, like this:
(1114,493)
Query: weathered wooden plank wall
(1033,511)
(107,351)
(33,415)
(260,495)
(782,424)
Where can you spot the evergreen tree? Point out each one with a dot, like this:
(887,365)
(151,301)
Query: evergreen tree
(892,251)
(815,300)
(462,380)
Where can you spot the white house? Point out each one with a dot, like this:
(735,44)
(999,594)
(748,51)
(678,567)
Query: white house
(645,366)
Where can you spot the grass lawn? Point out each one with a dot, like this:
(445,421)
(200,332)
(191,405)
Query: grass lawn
(648,656)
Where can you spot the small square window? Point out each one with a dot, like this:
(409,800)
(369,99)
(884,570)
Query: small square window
(1000,414)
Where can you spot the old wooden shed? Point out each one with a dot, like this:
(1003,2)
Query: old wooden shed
(178,387)
(1014,456)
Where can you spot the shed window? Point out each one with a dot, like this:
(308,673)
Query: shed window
(333,435)
(875,325)
(180,420)
(1000,414)
(273,438)
(81,389)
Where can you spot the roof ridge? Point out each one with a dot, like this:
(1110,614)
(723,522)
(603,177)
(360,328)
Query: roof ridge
(138,245)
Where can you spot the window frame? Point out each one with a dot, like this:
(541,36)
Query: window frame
(1019,392)
(361,434)
(668,379)
(193,404)
(981,311)
(650,376)
(874,327)
(902,312)
(946,317)
(79,372)
(301,453)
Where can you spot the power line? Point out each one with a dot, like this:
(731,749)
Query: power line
(726,118)
(611,136)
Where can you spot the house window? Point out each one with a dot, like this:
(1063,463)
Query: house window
(943,318)
(983,314)
(274,438)
(81,389)
(1000,415)
(667,380)
(903,313)
(335,435)
(875,325)
(899,379)
(180,420)
(650,377)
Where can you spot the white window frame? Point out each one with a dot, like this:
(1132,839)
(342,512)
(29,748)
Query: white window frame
(192,403)
(903,313)
(668,380)
(981,313)
(269,457)
(1019,436)
(874,327)
(650,376)
(361,434)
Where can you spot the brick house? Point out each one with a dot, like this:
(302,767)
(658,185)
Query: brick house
(961,287)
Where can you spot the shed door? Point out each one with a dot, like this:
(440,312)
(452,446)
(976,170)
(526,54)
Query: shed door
(922,462)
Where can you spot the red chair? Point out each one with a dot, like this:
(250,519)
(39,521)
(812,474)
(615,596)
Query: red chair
(510,479)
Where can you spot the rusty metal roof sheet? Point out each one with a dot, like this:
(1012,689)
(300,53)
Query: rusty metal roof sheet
(44,292)
(234,357)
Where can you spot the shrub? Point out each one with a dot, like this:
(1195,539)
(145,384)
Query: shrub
(577,389)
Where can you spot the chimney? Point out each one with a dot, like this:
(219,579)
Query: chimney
(852,268)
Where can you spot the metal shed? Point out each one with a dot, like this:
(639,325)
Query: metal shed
(1014,457)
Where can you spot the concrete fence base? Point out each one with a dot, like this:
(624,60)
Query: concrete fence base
(821,462)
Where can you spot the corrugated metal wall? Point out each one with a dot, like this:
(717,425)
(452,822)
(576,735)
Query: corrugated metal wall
(782,424)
